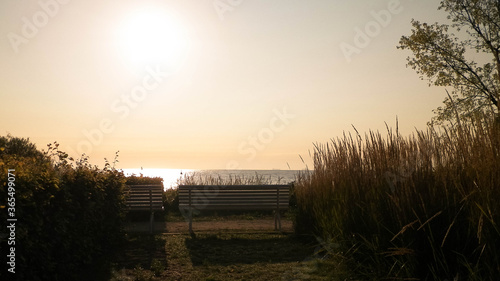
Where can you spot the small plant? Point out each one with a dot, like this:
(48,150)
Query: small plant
(140,274)
(171,200)
(157,267)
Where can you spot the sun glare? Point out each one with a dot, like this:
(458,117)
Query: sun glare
(152,37)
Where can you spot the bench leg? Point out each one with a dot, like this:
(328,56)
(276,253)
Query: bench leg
(151,222)
(190,220)
(275,221)
(279,220)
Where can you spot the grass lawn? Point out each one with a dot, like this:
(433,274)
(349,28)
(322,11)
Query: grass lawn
(223,256)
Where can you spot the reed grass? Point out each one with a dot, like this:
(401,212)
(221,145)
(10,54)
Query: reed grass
(422,207)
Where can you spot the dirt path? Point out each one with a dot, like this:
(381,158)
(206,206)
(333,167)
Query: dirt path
(225,225)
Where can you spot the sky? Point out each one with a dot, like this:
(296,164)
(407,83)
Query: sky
(208,84)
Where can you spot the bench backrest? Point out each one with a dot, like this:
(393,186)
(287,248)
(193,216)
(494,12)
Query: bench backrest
(145,197)
(234,197)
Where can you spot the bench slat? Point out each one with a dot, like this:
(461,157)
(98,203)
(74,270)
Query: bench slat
(227,195)
(256,200)
(233,187)
(267,193)
(237,207)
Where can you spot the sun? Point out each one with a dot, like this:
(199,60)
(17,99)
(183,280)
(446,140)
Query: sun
(152,36)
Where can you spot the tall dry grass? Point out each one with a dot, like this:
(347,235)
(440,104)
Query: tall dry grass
(422,207)
(200,178)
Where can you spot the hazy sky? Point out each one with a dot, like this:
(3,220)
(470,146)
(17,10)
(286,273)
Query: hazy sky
(208,84)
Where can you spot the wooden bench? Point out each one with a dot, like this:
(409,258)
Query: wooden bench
(233,197)
(145,198)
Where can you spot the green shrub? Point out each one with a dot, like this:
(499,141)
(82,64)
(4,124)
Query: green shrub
(138,180)
(171,200)
(70,214)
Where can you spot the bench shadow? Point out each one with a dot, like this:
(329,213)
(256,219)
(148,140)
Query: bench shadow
(217,250)
(141,250)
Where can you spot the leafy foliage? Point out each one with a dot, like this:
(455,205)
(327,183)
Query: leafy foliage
(171,200)
(137,180)
(441,57)
(70,214)
(19,147)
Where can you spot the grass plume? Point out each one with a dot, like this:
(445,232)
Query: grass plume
(422,207)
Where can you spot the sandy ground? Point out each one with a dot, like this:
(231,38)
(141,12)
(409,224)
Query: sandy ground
(207,226)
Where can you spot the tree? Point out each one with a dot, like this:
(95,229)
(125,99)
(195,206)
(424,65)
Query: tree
(440,56)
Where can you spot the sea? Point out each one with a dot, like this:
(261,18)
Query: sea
(171,177)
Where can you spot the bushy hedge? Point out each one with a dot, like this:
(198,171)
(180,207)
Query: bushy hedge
(70,214)
(171,201)
(142,180)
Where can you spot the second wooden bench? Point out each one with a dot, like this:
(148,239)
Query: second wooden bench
(234,197)
(145,198)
